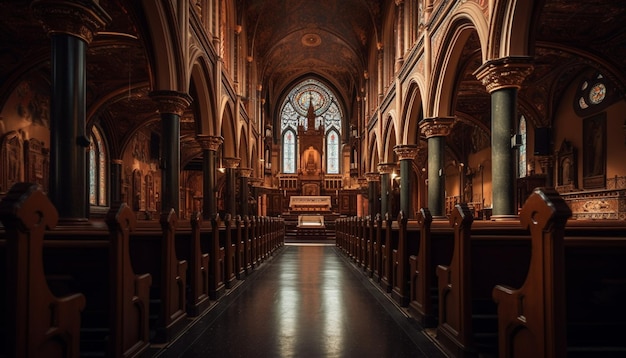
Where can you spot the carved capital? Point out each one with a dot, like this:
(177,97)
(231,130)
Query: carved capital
(231,163)
(209,142)
(508,72)
(82,19)
(406,151)
(245,172)
(171,101)
(436,127)
(372,177)
(387,168)
(362,182)
(255,181)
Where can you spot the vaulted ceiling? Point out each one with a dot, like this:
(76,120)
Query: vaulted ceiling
(328,38)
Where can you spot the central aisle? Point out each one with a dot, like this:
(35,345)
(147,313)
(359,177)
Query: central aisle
(305,302)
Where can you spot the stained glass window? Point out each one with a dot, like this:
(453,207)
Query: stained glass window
(328,116)
(332,150)
(97,169)
(522,148)
(289,152)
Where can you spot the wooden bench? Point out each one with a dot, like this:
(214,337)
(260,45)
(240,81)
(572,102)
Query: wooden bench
(408,244)
(484,256)
(571,302)
(189,248)
(435,248)
(389,243)
(26,298)
(153,250)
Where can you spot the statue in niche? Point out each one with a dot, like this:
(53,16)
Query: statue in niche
(311,161)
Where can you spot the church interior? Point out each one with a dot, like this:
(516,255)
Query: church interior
(463,156)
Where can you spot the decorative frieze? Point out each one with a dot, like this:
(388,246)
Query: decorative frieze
(508,72)
(597,204)
(436,127)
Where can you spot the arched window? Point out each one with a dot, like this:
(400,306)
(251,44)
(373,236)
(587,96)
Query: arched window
(332,150)
(328,116)
(522,170)
(97,170)
(289,152)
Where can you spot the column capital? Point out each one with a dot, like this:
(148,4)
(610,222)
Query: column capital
(372,177)
(231,163)
(245,172)
(255,181)
(173,102)
(362,182)
(387,168)
(82,19)
(406,151)
(507,72)
(210,142)
(436,126)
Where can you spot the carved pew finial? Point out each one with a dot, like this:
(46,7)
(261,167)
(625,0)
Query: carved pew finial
(26,212)
(531,319)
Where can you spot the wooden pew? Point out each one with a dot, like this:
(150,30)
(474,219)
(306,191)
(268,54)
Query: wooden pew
(189,248)
(216,258)
(378,265)
(227,242)
(370,233)
(237,237)
(435,248)
(388,244)
(483,256)
(25,213)
(153,250)
(571,302)
(246,236)
(408,243)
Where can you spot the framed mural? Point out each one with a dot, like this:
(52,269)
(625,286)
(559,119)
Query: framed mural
(594,148)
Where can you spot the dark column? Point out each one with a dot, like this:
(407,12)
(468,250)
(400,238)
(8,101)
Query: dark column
(436,130)
(210,145)
(385,170)
(71,27)
(244,192)
(406,154)
(503,78)
(372,193)
(171,106)
(230,200)
(116,177)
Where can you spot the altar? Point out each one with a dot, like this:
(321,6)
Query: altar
(310,203)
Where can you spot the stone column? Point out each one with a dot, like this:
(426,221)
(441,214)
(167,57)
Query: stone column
(372,193)
(171,105)
(230,199)
(210,145)
(244,193)
(436,130)
(71,27)
(117,179)
(400,35)
(406,155)
(385,170)
(503,78)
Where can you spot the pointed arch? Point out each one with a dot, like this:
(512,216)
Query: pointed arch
(467,21)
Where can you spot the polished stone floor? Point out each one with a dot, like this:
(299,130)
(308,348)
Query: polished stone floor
(307,301)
